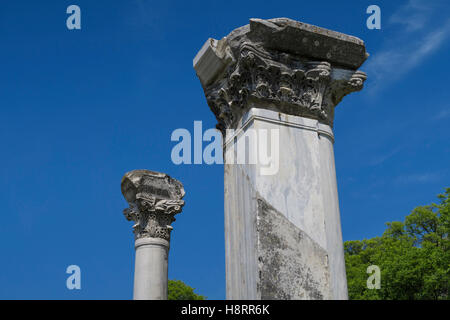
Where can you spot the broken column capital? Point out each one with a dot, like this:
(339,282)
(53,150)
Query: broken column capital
(154,199)
(281,65)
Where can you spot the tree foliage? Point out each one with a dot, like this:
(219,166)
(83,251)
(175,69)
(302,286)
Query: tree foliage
(178,290)
(413,256)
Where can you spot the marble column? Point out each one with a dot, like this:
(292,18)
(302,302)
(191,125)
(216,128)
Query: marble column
(154,198)
(283,235)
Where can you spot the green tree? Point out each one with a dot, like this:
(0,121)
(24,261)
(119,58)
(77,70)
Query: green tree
(413,256)
(178,290)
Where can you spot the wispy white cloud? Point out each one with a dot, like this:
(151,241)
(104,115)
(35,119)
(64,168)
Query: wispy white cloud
(384,157)
(418,178)
(406,50)
(442,114)
(394,63)
(413,15)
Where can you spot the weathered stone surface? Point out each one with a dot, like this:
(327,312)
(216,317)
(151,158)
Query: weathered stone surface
(154,198)
(283,65)
(301,39)
(291,265)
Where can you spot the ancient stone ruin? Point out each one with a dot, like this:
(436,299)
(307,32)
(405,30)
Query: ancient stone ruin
(282,230)
(282,226)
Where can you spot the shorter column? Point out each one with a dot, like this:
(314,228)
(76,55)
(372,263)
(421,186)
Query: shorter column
(154,198)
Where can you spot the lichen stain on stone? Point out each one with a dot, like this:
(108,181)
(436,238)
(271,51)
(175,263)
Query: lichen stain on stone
(291,265)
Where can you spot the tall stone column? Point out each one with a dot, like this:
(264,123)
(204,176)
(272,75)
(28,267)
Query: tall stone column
(282,223)
(154,198)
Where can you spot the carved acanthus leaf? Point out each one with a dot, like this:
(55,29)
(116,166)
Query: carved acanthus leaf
(281,82)
(152,213)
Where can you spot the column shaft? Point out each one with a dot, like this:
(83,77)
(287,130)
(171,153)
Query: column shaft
(333,231)
(279,244)
(150,277)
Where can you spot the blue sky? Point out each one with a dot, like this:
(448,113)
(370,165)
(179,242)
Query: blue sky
(80,108)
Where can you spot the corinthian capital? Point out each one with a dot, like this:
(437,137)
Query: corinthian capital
(154,199)
(281,65)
